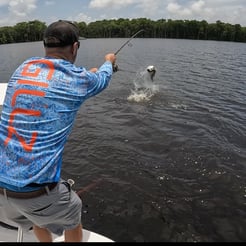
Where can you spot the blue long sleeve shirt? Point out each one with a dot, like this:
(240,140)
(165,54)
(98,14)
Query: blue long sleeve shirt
(40,106)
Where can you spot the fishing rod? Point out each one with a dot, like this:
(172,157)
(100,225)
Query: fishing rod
(132,37)
(115,67)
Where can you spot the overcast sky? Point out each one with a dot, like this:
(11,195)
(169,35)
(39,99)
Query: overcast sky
(228,11)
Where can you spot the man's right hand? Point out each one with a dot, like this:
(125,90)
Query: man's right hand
(111,57)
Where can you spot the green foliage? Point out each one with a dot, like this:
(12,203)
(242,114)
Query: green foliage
(22,32)
(125,28)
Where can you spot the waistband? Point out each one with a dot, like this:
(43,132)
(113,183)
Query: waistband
(30,194)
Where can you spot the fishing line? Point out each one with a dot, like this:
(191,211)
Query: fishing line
(115,67)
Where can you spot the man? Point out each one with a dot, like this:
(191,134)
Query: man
(41,103)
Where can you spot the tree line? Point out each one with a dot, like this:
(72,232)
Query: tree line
(124,28)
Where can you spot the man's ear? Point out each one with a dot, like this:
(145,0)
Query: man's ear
(73,49)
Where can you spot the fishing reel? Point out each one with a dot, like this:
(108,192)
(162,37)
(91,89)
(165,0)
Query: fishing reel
(115,68)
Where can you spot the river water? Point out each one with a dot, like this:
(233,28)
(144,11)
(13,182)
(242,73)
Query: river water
(167,167)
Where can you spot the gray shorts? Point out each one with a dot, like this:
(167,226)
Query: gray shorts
(57,211)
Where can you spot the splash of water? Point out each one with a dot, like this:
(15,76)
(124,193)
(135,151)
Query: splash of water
(144,88)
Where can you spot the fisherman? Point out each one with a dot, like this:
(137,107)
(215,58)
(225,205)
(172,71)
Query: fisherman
(40,107)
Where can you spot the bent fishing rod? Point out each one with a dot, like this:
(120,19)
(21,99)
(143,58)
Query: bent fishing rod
(132,37)
(115,67)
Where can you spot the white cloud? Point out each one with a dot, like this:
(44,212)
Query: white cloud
(111,3)
(231,11)
(3,2)
(177,10)
(49,3)
(193,9)
(14,11)
(18,10)
(151,8)
(198,6)
(143,6)
(21,8)
(82,17)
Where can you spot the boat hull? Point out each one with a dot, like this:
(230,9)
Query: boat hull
(3,88)
(14,235)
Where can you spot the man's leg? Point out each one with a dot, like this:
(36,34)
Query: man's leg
(74,235)
(42,234)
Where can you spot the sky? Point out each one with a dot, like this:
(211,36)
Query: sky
(227,11)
